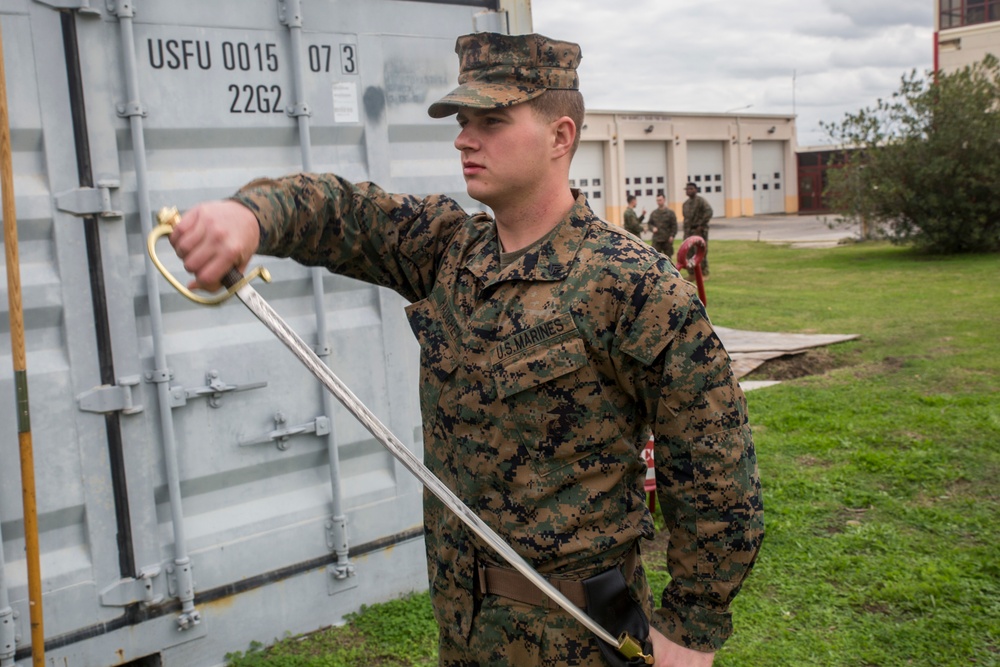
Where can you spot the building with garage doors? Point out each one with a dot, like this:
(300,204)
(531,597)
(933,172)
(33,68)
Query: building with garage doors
(744,164)
(965,31)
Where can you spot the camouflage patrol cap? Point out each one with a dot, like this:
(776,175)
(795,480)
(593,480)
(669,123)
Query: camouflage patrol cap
(503,70)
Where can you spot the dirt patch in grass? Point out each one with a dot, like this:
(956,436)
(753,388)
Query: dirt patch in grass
(809,461)
(791,366)
(846,517)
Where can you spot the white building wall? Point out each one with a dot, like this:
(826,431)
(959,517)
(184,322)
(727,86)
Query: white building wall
(638,139)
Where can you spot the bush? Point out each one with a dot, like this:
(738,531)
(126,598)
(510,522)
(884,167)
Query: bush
(921,168)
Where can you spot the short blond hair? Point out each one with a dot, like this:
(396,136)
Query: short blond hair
(554,104)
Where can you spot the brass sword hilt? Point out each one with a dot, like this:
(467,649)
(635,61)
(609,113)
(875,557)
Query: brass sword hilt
(632,649)
(167,218)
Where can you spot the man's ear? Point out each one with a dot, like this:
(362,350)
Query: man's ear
(563,136)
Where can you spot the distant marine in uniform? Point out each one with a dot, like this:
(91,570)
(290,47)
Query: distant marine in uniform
(663,222)
(697,214)
(633,222)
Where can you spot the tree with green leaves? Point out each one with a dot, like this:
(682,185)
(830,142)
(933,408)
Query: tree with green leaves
(923,167)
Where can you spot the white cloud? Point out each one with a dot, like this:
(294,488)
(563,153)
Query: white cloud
(717,55)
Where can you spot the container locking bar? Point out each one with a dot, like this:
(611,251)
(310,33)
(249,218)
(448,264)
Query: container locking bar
(281,434)
(214,388)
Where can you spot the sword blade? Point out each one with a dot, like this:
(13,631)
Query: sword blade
(267,315)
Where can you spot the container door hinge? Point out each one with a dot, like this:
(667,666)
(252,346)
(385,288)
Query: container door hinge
(111,398)
(82,6)
(280,435)
(213,389)
(89,201)
(129,591)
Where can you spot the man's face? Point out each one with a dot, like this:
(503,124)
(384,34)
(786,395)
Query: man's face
(504,153)
(690,190)
(661,201)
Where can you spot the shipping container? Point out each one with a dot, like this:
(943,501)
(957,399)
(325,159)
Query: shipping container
(197,489)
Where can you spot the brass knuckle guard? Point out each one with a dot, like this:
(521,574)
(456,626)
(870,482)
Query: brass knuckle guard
(630,648)
(168,217)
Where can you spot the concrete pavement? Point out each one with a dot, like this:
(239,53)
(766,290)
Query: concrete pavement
(801,230)
(816,231)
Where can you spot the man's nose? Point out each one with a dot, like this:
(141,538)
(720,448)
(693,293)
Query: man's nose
(465,139)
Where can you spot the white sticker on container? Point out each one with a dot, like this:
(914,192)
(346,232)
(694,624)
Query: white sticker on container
(345,103)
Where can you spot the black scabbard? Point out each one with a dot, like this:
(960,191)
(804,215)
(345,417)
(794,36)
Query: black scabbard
(610,604)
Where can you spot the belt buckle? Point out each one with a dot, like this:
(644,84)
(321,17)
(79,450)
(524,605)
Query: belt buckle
(479,589)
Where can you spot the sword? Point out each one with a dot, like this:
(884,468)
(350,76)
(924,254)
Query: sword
(239,285)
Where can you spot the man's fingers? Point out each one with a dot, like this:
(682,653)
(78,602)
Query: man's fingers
(207,266)
(214,237)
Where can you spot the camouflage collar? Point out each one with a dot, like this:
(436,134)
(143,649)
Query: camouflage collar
(549,262)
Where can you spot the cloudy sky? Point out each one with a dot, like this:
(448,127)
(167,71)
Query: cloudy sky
(818,58)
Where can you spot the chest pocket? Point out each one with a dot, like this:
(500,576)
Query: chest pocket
(554,402)
(437,353)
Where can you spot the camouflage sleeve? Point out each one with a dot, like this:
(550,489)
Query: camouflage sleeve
(356,230)
(706,212)
(706,468)
(633,223)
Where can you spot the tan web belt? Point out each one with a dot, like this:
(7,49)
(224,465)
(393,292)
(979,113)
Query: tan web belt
(511,584)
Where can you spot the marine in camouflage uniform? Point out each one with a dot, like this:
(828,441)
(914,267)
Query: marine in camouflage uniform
(542,373)
(663,222)
(633,221)
(697,214)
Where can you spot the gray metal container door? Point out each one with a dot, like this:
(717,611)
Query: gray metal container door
(167,428)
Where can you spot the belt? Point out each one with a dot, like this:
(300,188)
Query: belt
(511,584)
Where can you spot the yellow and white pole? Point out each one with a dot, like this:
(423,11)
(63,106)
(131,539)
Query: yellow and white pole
(20,377)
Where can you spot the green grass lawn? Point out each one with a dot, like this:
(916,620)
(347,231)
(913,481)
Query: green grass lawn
(880,475)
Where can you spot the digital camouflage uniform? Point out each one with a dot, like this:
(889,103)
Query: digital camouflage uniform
(663,221)
(633,222)
(697,214)
(539,385)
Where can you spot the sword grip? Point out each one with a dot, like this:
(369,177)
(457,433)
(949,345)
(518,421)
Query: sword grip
(233,280)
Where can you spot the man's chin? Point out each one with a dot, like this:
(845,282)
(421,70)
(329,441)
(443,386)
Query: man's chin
(479,194)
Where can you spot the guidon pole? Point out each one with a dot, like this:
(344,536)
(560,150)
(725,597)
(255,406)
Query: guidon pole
(20,363)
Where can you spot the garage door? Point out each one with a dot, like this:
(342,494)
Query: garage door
(705,168)
(768,177)
(646,172)
(587,173)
